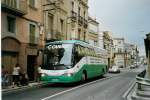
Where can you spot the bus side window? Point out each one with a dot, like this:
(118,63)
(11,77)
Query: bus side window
(77,54)
(60,53)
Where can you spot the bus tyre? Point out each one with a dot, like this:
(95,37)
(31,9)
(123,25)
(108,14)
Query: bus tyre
(102,73)
(83,77)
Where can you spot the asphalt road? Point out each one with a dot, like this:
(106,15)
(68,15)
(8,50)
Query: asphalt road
(101,89)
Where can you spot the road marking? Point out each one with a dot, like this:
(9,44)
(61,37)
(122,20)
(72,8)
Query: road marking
(63,92)
(46,98)
(129,89)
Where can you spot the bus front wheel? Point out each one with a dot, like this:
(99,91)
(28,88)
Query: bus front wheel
(83,77)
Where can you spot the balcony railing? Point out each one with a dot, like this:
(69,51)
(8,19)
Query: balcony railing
(142,82)
(17,7)
(85,23)
(73,15)
(33,40)
(80,20)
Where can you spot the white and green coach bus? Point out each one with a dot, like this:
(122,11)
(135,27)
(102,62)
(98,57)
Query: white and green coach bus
(71,61)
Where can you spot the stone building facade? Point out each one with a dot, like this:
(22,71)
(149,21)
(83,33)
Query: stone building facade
(119,51)
(93,31)
(108,45)
(66,19)
(22,34)
(28,24)
(131,56)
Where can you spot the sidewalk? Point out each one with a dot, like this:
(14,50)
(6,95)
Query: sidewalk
(11,89)
(143,94)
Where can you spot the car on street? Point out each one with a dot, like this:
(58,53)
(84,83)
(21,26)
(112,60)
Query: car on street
(114,69)
(133,66)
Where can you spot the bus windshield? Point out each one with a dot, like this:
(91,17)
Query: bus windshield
(57,56)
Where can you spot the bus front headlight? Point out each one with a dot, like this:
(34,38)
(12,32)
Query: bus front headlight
(43,75)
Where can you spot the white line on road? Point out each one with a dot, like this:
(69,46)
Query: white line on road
(46,98)
(129,89)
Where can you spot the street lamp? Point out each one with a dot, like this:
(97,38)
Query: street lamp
(125,58)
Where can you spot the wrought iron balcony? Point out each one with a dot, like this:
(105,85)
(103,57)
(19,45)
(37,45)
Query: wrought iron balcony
(33,40)
(73,15)
(85,23)
(80,20)
(15,7)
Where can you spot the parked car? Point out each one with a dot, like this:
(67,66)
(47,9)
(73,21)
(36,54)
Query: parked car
(133,66)
(114,69)
(121,66)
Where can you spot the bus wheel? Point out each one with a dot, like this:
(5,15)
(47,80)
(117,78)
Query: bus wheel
(102,74)
(83,77)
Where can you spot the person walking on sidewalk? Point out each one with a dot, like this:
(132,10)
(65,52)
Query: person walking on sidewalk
(5,77)
(39,73)
(16,76)
(24,79)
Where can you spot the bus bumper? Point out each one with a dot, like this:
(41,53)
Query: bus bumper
(59,79)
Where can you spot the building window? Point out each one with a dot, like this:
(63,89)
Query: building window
(84,35)
(119,42)
(95,43)
(84,14)
(50,24)
(32,33)
(11,24)
(79,11)
(32,3)
(79,33)
(72,6)
(61,25)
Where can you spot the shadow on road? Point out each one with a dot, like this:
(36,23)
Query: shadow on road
(69,85)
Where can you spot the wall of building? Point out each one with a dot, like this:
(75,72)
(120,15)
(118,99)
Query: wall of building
(93,30)
(16,46)
(119,53)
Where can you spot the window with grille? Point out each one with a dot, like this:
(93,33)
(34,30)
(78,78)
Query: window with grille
(32,33)
(11,24)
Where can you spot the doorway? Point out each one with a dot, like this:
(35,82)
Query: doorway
(31,60)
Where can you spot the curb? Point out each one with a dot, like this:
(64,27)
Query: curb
(14,90)
(129,90)
(143,93)
(136,97)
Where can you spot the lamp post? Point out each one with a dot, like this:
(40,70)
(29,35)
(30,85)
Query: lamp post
(125,58)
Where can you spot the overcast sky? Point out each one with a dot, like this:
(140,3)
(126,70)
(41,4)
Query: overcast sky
(125,18)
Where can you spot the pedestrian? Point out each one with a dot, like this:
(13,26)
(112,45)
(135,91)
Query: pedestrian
(5,77)
(24,79)
(16,75)
(39,73)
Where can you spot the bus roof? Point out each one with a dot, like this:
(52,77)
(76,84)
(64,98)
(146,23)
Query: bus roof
(82,43)
(68,42)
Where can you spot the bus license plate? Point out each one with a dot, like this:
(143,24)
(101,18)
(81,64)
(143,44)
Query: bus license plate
(54,79)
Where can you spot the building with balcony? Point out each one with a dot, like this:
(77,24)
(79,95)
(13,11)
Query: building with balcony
(131,54)
(22,34)
(108,45)
(100,40)
(78,29)
(55,15)
(93,31)
(119,51)
(66,19)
